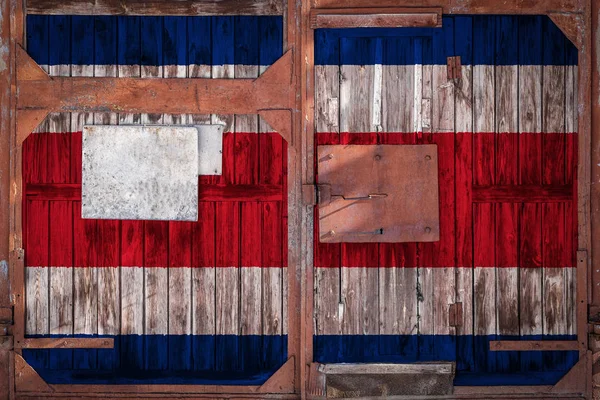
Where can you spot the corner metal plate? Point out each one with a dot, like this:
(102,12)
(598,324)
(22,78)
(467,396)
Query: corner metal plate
(379,193)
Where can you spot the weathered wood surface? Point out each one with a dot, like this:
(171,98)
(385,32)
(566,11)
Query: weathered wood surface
(136,7)
(467,7)
(159,278)
(504,193)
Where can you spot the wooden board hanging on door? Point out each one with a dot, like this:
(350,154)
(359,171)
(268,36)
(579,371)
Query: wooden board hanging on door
(378,193)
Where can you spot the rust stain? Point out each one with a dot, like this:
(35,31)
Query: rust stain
(597,66)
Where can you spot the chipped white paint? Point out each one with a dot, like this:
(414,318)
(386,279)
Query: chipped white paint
(140,172)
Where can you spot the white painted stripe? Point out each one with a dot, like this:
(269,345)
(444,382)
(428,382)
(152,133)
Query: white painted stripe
(159,301)
(408,297)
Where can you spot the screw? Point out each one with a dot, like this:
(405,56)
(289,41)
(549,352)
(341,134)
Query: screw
(427,229)
(377,157)
(428,157)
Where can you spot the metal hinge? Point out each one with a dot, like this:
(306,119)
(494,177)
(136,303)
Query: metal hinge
(455,314)
(454,70)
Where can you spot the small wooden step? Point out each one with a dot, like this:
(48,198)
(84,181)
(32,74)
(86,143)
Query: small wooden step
(361,380)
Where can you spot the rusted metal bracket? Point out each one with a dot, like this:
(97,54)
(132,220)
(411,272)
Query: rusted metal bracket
(26,379)
(282,381)
(534,345)
(269,95)
(383,17)
(454,68)
(455,314)
(67,343)
(571,25)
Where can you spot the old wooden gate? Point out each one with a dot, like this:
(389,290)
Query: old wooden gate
(496,94)
(182,302)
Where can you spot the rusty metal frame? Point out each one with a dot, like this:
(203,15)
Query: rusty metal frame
(574,18)
(388,17)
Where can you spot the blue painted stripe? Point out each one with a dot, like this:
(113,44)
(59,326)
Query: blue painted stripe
(105,38)
(199,40)
(475,363)
(164,359)
(478,40)
(150,40)
(82,39)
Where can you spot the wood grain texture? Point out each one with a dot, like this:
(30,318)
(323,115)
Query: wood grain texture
(135,7)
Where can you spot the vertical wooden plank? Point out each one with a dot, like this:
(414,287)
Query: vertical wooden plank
(109,293)
(484,290)
(246,61)
(398,285)
(85,279)
(156,292)
(398,298)
(398,85)
(357,86)
(251,319)
(571,208)
(37,284)
(152,56)
(246,65)
(174,52)
(554,227)
(180,295)
(223,59)
(227,289)
(271,43)
(82,61)
(107,250)
(397,262)
(273,289)
(484,275)
(530,156)
(60,64)
(132,291)
(422,125)
(203,288)
(507,101)
(437,259)
(129,56)
(327,82)
(61,277)
(132,232)
(60,213)
(359,273)
(105,58)
(199,55)
(464,181)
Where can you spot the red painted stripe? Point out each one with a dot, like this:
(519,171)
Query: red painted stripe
(255,167)
(132,243)
(180,244)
